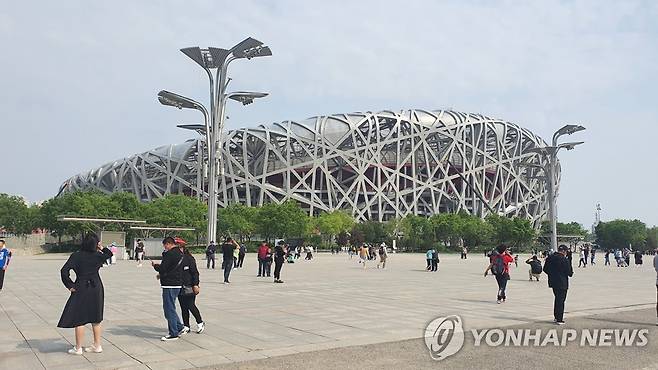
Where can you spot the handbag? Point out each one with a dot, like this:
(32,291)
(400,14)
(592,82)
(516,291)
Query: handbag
(186,291)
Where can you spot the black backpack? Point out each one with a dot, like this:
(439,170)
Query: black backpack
(535,267)
(498,264)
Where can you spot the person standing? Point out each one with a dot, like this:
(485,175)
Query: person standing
(87,300)
(241,255)
(236,255)
(638,258)
(559,271)
(139,252)
(607,257)
(499,266)
(279,257)
(171,280)
(464,253)
(189,291)
(5,257)
(114,250)
(428,257)
(592,255)
(262,259)
(211,250)
(435,260)
(228,250)
(383,255)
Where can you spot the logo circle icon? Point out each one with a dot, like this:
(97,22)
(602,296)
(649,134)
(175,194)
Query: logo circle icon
(444,336)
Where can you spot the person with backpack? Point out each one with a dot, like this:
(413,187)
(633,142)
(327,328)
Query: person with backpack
(535,267)
(499,267)
(559,270)
(382,256)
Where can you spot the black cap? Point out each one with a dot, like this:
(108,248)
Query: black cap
(562,248)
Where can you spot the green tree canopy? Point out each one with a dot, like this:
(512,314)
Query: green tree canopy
(621,234)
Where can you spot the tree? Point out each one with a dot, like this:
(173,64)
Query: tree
(571,228)
(446,227)
(371,232)
(15,215)
(237,219)
(513,231)
(177,210)
(334,223)
(418,232)
(285,220)
(475,231)
(652,238)
(621,234)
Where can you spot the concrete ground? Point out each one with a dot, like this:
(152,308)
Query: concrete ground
(325,304)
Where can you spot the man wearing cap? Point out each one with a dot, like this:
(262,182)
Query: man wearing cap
(559,270)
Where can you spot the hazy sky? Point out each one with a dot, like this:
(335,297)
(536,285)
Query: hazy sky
(79,79)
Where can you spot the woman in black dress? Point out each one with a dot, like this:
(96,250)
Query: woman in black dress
(187,296)
(85,305)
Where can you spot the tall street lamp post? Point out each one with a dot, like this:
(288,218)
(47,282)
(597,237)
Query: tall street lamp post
(548,155)
(218,59)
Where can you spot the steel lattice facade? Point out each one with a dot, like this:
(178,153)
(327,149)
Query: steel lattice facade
(377,166)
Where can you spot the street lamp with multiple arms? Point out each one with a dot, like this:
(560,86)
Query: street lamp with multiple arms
(548,156)
(219,59)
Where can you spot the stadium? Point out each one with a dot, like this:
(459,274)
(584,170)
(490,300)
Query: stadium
(377,166)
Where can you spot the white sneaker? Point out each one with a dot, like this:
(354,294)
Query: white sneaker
(185,330)
(200,328)
(75,351)
(167,338)
(93,349)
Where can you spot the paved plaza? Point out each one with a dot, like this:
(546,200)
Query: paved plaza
(329,303)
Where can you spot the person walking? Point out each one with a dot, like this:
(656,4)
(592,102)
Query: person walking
(583,259)
(211,250)
(499,267)
(5,257)
(228,250)
(114,250)
(242,253)
(262,262)
(559,271)
(189,291)
(464,253)
(363,255)
(383,255)
(139,252)
(535,267)
(87,300)
(170,274)
(607,257)
(279,258)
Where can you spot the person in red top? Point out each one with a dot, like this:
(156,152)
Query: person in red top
(262,259)
(499,266)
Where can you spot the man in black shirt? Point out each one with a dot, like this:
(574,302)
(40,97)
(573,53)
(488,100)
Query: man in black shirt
(210,254)
(227,251)
(559,270)
(170,274)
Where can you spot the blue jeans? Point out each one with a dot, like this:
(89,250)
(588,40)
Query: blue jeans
(169,296)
